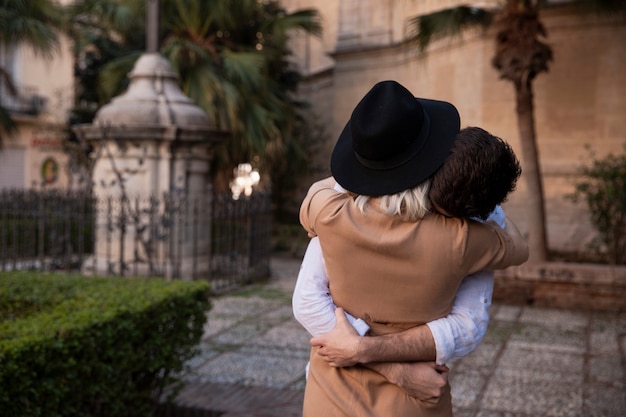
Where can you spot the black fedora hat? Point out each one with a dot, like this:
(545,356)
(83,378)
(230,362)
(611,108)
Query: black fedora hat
(393,141)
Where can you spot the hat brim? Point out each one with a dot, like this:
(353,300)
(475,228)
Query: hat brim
(357,178)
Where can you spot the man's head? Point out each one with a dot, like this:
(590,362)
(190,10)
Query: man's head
(479,173)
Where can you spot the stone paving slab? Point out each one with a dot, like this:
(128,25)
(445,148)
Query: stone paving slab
(232,400)
(532,362)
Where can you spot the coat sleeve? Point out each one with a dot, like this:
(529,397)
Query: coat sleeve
(319,193)
(490,247)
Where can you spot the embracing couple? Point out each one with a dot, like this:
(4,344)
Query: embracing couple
(398,276)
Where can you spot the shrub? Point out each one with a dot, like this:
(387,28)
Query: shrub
(75,346)
(603,188)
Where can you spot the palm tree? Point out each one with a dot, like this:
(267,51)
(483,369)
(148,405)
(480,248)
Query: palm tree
(521,54)
(232,58)
(108,38)
(233,63)
(29,22)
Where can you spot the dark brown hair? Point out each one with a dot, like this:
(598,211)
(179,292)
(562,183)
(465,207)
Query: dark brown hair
(478,174)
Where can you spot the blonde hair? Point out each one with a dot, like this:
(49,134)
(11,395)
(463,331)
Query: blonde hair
(412,204)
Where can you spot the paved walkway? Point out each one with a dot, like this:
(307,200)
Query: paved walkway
(532,362)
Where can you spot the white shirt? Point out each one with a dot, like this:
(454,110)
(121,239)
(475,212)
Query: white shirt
(456,335)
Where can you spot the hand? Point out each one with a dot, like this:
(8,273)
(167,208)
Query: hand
(425,381)
(340,346)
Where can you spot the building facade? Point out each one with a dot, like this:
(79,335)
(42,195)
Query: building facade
(33,155)
(580,104)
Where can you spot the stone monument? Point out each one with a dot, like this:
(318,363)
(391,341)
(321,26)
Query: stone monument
(151,143)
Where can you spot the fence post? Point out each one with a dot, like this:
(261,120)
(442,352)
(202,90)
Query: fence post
(211,219)
(195,225)
(14,211)
(41,221)
(4,230)
(109,231)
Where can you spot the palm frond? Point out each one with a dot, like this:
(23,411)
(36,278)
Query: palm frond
(448,23)
(308,20)
(190,16)
(221,100)
(114,15)
(260,127)
(122,22)
(184,53)
(244,68)
(34,23)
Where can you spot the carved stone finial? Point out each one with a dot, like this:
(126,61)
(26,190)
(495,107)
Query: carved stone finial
(153,98)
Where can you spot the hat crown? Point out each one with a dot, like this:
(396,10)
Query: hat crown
(386,126)
(393,141)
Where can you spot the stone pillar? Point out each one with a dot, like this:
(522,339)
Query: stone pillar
(151,143)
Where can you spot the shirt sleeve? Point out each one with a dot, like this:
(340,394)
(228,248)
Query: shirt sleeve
(461,331)
(313,306)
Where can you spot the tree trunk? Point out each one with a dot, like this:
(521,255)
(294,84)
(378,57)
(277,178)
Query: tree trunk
(537,241)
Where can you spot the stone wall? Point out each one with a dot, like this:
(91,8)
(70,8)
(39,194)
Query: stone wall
(563,285)
(580,102)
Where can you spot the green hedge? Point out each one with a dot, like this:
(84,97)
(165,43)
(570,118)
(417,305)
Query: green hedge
(77,346)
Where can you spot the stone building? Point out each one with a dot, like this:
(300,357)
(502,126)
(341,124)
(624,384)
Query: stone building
(33,156)
(581,101)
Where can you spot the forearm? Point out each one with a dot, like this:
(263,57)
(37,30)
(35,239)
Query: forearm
(390,370)
(414,344)
(423,380)
(453,336)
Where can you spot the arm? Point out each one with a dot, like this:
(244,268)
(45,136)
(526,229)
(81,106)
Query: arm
(423,380)
(514,241)
(460,332)
(318,193)
(454,336)
(343,346)
(312,303)
(314,309)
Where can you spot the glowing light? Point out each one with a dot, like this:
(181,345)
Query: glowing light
(245,180)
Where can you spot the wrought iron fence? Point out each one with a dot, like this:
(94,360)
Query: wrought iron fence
(45,229)
(213,237)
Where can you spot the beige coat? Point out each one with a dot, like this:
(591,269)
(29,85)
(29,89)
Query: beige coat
(395,275)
